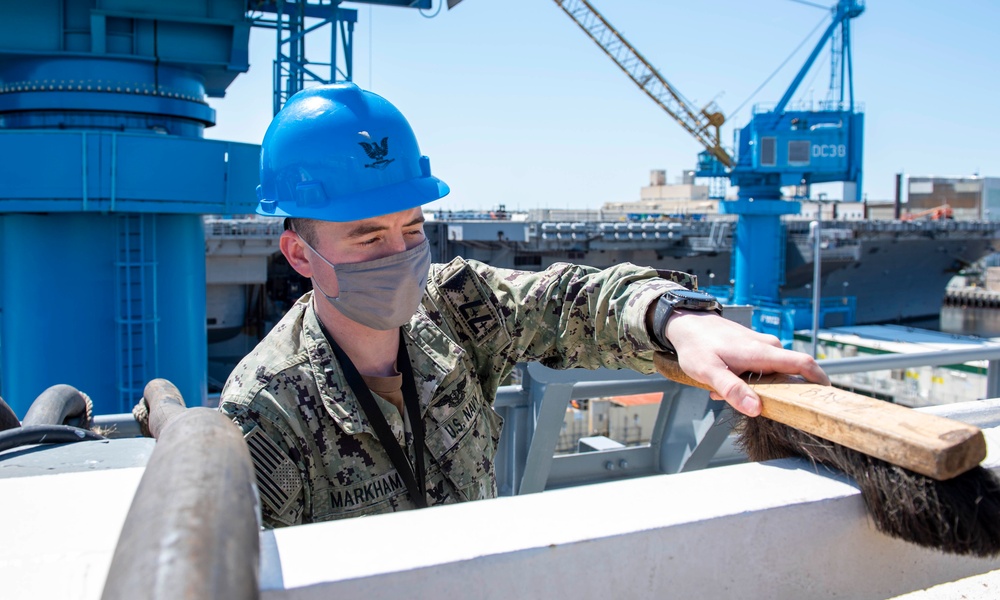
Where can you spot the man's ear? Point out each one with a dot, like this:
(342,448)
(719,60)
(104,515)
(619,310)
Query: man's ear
(295,252)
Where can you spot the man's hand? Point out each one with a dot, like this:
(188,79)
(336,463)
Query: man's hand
(715,351)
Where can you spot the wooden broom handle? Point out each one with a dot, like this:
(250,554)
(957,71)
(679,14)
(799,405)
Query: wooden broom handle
(934,446)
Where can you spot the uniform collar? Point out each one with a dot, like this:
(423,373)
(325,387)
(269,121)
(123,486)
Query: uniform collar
(433,356)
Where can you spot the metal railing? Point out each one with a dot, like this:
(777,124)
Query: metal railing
(242,228)
(690,431)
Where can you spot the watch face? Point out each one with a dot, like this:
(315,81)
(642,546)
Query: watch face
(693,296)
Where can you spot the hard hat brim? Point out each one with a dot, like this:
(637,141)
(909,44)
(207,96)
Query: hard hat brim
(369,204)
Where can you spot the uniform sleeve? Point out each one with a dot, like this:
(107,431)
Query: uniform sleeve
(576,316)
(277,463)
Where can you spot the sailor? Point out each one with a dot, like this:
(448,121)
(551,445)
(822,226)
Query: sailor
(374,392)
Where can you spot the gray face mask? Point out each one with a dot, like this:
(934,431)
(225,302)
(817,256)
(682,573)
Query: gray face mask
(383,293)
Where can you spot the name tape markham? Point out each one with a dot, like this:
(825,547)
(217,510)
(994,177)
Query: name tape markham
(367,493)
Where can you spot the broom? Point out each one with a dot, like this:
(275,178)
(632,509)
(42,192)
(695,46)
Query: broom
(918,473)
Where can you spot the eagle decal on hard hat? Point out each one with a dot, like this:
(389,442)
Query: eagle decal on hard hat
(377,152)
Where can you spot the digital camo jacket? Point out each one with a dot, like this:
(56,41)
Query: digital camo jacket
(316,455)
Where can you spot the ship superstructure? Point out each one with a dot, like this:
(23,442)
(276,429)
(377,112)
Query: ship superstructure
(884,270)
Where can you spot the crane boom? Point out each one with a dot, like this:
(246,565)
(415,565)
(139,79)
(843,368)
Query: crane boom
(703,123)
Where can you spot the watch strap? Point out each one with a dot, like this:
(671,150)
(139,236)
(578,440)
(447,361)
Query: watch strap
(665,307)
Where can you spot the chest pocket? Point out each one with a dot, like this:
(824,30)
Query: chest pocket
(462,436)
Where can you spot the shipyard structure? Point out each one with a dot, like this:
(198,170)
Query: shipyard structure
(110,275)
(873,270)
(881,271)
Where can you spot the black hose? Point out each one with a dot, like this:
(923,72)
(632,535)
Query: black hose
(44,434)
(60,405)
(8,419)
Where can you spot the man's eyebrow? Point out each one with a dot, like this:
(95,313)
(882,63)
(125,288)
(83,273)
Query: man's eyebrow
(364,229)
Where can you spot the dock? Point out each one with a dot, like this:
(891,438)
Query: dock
(972,297)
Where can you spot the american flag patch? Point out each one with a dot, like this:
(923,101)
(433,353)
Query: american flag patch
(278,479)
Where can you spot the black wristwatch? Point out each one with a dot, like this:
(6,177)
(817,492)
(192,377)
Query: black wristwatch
(679,300)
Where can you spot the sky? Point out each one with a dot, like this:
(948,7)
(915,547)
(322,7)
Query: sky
(515,105)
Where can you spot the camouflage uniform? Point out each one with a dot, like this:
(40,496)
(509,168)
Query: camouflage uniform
(316,455)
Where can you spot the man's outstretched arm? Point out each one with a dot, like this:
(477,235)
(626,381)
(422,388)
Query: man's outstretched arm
(715,351)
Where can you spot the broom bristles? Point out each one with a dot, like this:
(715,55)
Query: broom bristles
(960,515)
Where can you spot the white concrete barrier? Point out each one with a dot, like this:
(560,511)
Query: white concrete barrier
(775,530)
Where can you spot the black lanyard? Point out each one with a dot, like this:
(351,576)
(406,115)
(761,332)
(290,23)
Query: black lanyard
(415,482)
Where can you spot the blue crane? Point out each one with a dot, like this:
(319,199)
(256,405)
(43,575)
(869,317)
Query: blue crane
(293,71)
(780,147)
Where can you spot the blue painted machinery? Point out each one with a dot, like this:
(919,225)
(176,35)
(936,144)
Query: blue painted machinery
(104,176)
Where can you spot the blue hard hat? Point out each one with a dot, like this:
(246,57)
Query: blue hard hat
(340,153)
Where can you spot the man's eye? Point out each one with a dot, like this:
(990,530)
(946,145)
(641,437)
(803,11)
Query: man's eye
(369,242)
